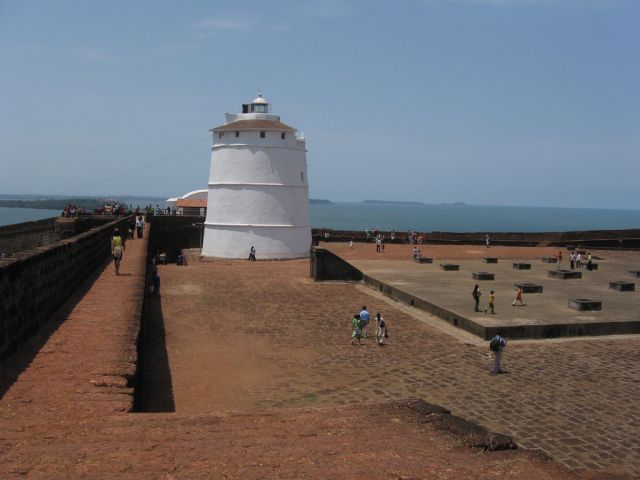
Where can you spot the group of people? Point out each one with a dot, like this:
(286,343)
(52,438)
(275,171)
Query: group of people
(360,327)
(575,260)
(73,210)
(477,293)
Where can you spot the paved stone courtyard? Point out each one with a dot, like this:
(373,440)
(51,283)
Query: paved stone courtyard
(262,334)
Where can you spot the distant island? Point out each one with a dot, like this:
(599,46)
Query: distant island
(320,201)
(56,203)
(391,202)
(455,204)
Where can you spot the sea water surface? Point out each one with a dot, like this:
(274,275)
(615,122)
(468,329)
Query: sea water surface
(9,216)
(430,218)
(468,218)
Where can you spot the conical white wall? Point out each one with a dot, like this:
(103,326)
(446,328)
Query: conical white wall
(258,191)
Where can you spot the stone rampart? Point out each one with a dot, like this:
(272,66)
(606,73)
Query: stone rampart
(34,283)
(624,239)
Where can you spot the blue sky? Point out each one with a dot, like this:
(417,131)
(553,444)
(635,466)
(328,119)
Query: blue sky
(499,102)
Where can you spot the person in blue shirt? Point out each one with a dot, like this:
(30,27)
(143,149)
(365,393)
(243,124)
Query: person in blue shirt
(364,321)
(496,346)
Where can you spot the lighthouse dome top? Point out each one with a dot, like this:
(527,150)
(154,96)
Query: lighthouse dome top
(260,100)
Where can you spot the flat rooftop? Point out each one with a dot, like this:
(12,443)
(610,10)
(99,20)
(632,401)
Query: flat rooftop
(545,314)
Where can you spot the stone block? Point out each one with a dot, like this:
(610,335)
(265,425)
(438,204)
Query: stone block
(622,286)
(490,260)
(549,260)
(634,273)
(585,305)
(571,247)
(529,287)
(449,267)
(522,266)
(483,276)
(594,266)
(423,260)
(565,274)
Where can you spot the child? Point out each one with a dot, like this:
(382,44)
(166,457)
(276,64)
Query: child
(356,326)
(518,298)
(492,299)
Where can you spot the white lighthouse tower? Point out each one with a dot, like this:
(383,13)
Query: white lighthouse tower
(258,191)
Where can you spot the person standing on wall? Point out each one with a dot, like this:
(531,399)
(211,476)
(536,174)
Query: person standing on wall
(117,249)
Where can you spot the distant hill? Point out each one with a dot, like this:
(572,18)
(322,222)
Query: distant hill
(391,202)
(53,203)
(455,204)
(319,201)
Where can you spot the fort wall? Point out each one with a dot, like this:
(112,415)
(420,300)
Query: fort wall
(35,282)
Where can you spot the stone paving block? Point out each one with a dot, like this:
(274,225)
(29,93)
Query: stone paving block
(585,305)
(423,260)
(448,267)
(522,266)
(565,274)
(622,286)
(490,260)
(483,276)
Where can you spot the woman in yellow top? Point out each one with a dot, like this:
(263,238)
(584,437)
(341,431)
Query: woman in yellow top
(117,248)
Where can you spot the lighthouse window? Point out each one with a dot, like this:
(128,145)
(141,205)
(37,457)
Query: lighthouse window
(237,134)
(220,134)
(282,135)
(262,134)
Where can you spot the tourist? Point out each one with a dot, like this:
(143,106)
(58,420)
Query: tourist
(476,296)
(578,260)
(572,260)
(414,252)
(139,226)
(381,333)
(356,326)
(518,298)
(382,246)
(155,279)
(378,244)
(351,243)
(559,257)
(492,300)
(252,254)
(589,264)
(496,346)
(364,321)
(117,249)
(180,259)
(487,240)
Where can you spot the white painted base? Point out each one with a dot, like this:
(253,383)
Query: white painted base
(271,243)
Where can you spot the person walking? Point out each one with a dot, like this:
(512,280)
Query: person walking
(518,298)
(476,297)
(252,254)
(378,320)
(559,257)
(356,331)
(381,333)
(492,300)
(364,321)
(117,249)
(496,346)
(487,240)
(578,260)
(589,265)
(572,260)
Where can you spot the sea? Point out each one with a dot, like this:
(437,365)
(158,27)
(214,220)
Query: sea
(429,218)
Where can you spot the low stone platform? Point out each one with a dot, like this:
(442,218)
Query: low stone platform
(622,286)
(483,276)
(564,274)
(522,266)
(423,260)
(449,267)
(546,315)
(634,273)
(594,266)
(529,287)
(490,260)
(549,260)
(585,305)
